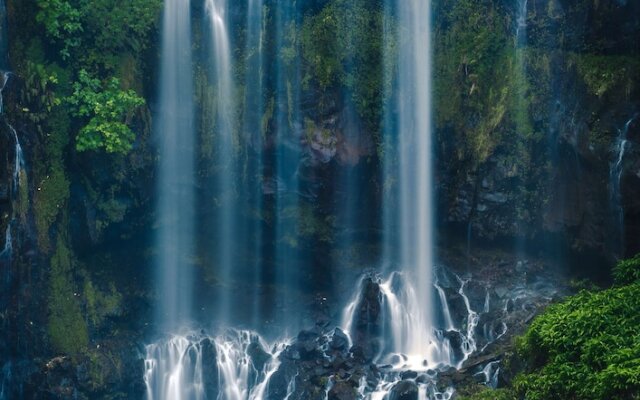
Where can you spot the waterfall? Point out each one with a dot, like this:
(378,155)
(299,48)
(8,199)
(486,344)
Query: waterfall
(18,172)
(253,131)
(414,171)
(616,170)
(8,244)
(521,23)
(225,153)
(288,206)
(175,186)
(234,366)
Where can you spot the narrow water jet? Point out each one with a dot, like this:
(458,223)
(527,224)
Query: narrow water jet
(288,202)
(253,132)
(616,170)
(225,156)
(175,182)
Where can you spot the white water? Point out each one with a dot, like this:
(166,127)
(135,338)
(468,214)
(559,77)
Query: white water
(18,167)
(413,330)
(616,171)
(399,314)
(176,141)
(521,23)
(8,245)
(224,158)
(489,374)
(19,160)
(176,369)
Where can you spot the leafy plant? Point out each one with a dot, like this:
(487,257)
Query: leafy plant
(587,347)
(627,271)
(109,110)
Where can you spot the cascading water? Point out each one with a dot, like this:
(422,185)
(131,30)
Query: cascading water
(234,366)
(170,365)
(18,173)
(413,333)
(175,135)
(615,175)
(521,23)
(225,159)
(521,128)
(288,203)
(253,131)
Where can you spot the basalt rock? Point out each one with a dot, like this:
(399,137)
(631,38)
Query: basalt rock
(404,390)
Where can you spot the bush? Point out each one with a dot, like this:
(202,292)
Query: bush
(109,110)
(627,271)
(587,347)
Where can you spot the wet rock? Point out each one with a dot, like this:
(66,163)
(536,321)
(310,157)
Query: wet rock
(210,368)
(366,326)
(308,346)
(342,391)
(404,390)
(408,375)
(339,340)
(258,355)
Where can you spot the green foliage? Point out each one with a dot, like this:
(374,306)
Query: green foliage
(627,271)
(62,22)
(109,109)
(51,196)
(472,59)
(101,304)
(52,186)
(67,328)
(603,73)
(587,347)
(343,46)
(109,26)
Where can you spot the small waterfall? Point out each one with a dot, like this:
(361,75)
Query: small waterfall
(225,158)
(18,171)
(489,374)
(8,244)
(521,23)
(616,170)
(253,132)
(19,161)
(175,186)
(448,322)
(233,366)
(288,203)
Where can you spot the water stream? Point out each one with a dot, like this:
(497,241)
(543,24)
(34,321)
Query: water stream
(175,183)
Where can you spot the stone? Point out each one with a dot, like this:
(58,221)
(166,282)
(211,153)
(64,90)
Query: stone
(404,390)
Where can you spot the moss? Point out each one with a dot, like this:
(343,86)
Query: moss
(23,196)
(101,304)
(52,184)
(472,57)
(267,117)
(603,73)
(343,47)
(50,197)
(67,328)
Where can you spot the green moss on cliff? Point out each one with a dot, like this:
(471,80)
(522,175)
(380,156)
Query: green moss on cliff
(67,328)
(343,47)
(603,73)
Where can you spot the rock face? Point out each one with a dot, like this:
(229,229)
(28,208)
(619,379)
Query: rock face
(367,340)
(556,183)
